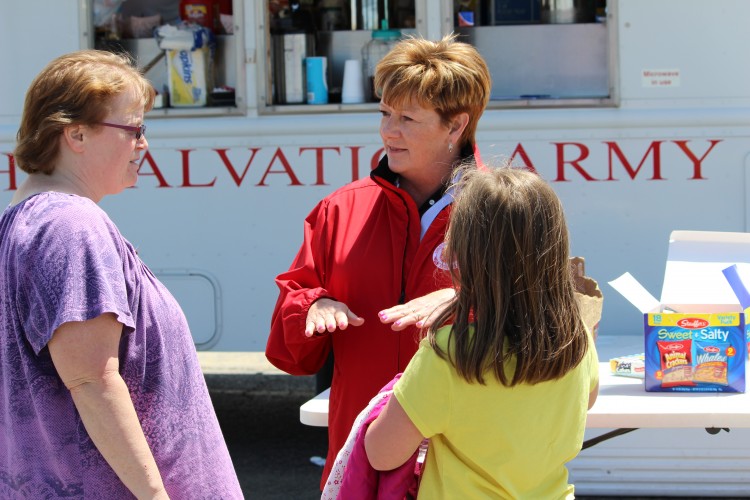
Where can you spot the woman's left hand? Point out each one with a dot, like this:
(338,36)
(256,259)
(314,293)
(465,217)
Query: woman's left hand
(420,312)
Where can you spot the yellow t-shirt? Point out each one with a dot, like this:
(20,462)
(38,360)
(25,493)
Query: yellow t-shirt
(491,441)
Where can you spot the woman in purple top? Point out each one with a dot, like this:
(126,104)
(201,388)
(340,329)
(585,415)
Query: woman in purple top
(101,393)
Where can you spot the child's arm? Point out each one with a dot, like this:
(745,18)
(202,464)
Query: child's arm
(592,395)
(392,438)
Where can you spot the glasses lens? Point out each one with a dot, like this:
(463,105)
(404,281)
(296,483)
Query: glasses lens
(141,132)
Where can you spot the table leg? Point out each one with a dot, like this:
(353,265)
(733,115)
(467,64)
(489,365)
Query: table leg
(607,435)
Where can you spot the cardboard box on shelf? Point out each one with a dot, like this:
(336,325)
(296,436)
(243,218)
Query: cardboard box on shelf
(695,336)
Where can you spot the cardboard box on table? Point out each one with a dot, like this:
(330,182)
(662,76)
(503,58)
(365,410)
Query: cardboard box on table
(696,335)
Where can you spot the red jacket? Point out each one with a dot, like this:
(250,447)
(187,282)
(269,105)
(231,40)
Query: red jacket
(361,247)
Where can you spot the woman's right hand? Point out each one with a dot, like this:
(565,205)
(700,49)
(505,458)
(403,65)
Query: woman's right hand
(328,315)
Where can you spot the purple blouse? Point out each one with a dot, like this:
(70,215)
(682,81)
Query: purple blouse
(62,259)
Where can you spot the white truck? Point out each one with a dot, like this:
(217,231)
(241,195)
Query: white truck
(637,112)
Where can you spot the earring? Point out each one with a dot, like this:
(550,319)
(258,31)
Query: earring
(450,147)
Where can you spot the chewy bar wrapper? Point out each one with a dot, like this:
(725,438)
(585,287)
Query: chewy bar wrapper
(632,365)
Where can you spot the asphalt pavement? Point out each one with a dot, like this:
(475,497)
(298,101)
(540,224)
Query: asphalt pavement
(270,448)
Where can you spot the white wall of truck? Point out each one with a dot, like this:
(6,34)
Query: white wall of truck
(220,201)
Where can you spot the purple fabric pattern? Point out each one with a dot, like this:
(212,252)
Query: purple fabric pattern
(62,259)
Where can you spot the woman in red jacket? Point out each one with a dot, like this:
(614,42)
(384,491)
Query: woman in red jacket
(370,270)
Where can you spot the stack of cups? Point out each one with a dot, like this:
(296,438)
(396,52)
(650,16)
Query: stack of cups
(352,90)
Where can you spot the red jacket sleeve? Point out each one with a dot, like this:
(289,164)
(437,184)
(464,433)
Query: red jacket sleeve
(288,348)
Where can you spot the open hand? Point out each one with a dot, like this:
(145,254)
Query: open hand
(326,315)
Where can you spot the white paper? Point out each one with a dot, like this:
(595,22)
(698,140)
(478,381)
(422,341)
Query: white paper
(695,261)
(629,288)
(170,37)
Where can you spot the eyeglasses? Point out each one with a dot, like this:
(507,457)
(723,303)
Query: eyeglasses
(139,131)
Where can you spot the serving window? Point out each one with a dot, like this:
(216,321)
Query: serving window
(541,53)
(194,71)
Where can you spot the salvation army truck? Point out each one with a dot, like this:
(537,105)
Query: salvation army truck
(636,111)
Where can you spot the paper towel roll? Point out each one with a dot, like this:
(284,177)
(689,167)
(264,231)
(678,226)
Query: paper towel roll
(317,88)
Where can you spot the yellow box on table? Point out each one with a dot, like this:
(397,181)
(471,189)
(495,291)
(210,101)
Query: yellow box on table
(696,336)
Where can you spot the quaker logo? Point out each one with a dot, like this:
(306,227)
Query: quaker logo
(692,323)
(196,13)
(711,348)
(437,257)
(623,367)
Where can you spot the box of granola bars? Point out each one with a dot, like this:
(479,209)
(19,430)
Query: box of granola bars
(695,337)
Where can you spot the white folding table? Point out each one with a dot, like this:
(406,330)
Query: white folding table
(671,454)
(623,403)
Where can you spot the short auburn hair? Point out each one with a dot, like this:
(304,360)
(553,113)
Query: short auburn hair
(75,88)
(447,76)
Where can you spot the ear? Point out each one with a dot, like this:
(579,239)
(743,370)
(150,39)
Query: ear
(73,137)
(458,125)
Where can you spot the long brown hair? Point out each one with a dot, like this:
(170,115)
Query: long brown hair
(507,243)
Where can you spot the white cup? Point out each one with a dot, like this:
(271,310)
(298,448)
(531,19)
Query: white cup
(352,90)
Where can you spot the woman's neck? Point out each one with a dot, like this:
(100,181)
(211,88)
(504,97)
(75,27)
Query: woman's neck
(420,186)
(39,183)
(420,192)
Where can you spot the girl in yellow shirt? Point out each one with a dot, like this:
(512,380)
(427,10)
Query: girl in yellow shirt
(503,380)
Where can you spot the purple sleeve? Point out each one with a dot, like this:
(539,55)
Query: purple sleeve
(73,270)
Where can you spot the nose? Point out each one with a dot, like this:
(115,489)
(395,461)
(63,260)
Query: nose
(142,143)
(388,127)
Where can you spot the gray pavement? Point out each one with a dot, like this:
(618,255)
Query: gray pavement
(270,448)
(258,409)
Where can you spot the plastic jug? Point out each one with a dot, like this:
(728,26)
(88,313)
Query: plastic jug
(374,50)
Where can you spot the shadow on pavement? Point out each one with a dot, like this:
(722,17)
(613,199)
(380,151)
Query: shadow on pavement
(269,446)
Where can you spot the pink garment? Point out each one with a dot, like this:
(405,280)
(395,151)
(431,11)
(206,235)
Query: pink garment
(352,477)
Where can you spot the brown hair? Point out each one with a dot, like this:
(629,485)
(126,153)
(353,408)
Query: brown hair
(447,76)
(508,242)
(76,88)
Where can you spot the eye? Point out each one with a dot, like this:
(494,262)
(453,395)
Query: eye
(384,112)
